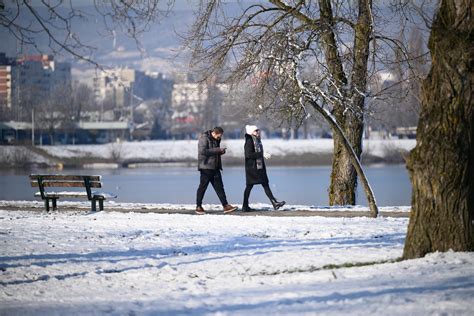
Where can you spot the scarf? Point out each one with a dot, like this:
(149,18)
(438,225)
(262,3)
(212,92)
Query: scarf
(258,148)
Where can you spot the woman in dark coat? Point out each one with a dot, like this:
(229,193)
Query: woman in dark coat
(255,170)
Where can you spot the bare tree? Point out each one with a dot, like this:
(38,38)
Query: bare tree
(161,120)
(442,164)
(56,112)
(54,20)
(82,99)
(326,42)
(399,104)
(5,113)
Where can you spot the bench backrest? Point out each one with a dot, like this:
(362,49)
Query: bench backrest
(69,181)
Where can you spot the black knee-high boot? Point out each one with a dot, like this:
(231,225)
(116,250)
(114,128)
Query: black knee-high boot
(275,203)
(245,205)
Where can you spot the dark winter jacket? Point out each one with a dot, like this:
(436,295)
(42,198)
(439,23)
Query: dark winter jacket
(209,152)
(252,174)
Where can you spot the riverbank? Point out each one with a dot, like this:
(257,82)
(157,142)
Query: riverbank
(314,152)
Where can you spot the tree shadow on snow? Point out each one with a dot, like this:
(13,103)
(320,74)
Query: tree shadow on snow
(242,246)
(358,299)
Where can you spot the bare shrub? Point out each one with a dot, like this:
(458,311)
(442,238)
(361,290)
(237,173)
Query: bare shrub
(394,154)
(4,156)
(15,156)
(115,151)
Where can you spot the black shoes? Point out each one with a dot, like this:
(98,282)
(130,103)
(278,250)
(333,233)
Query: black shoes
(277,205)
(247,209)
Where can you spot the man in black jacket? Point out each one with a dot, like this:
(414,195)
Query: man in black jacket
(210,166)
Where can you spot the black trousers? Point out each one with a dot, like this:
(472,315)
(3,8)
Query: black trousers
(215,178)
(248,189)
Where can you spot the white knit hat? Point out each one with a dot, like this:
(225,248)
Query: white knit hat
(249,129)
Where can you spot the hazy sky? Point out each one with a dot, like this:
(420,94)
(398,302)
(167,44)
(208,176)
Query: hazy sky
(161,43)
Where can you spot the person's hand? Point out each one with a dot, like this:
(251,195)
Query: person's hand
(223,150)
(267,155)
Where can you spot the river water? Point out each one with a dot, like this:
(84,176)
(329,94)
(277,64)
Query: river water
(295,185)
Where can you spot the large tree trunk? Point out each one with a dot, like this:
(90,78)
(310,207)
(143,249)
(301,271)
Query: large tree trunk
(342,190)
(352,157)
(442,164)
(343,178)
(343,187)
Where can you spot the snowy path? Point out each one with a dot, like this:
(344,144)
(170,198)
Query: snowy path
(261,209)
(130,263)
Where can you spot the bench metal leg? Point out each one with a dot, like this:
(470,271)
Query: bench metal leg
(101,205)
(93,206)
(46,204)
(54,204)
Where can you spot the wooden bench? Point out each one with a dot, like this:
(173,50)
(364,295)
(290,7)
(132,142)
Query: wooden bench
(69,181)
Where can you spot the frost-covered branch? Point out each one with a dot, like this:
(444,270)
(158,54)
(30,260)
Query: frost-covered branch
(306,94)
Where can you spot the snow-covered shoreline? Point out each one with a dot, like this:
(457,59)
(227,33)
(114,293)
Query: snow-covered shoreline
(287,152)
(172,264)
(186,149)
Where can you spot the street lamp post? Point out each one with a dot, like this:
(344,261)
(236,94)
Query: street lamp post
(32,127)
(131,124)
(132,120)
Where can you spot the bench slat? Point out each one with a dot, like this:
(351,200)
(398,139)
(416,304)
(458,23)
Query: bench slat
(64,177)
(67,184)
(97,195)
(63,194)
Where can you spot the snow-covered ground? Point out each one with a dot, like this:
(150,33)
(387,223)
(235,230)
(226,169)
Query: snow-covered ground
(187,149)
(129,263)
